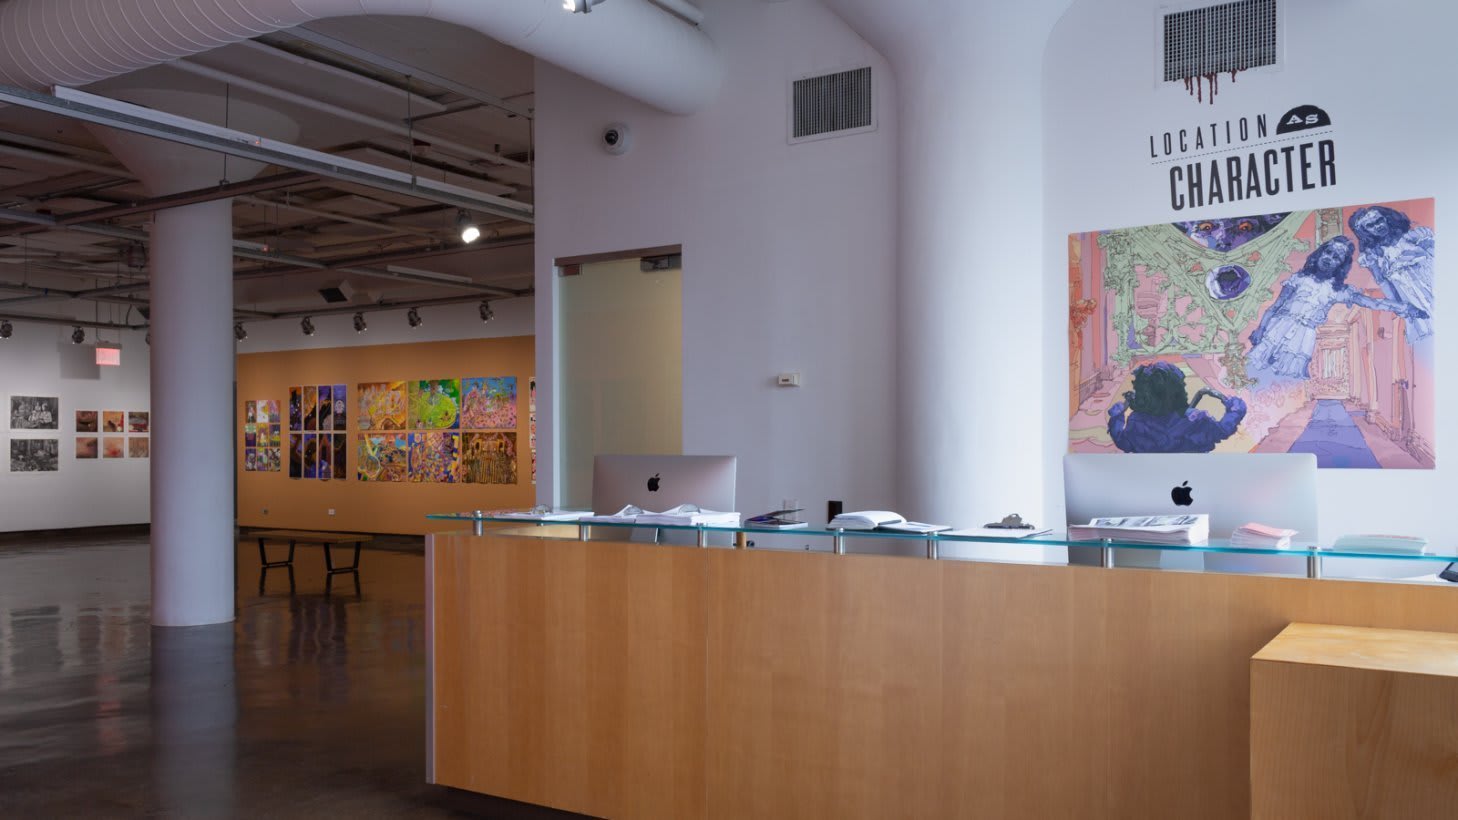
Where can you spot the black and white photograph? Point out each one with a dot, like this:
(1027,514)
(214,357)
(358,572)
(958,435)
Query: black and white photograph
(34,455)
(35,413)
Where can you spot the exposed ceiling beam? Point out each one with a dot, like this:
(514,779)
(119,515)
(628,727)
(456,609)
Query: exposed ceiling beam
(401,304)
(61,320)
(329,109)
(338,217)
(160,203)
(136,119)
(414,98)
(324,41)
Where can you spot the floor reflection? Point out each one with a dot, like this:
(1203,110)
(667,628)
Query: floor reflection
(311,703)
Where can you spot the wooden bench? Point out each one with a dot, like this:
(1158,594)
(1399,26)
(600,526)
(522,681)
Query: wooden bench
(327,540)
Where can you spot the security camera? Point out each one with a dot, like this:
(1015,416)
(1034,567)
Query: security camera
(617,139)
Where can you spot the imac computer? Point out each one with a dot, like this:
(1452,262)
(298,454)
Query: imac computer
(1278,489)
(658,483)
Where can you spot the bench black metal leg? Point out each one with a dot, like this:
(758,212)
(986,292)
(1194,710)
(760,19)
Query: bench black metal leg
(263,556)
(329,560)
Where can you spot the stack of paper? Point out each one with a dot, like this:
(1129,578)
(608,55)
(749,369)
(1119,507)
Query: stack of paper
(543,514)
(689,515)
(1261,536)
(1145,529)
(626,515)
(1381,542)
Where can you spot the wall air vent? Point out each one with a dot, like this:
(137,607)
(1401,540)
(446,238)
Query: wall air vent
(831,105)
(1200,44)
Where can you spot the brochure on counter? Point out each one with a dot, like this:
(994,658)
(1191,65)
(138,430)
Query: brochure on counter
(684,515)
(1171,530)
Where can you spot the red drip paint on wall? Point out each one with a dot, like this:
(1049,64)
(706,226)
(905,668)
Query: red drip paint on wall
(1195,86)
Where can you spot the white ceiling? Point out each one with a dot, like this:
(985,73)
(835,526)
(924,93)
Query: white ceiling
(54,166)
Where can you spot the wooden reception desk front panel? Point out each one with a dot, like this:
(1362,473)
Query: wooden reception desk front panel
(640,681)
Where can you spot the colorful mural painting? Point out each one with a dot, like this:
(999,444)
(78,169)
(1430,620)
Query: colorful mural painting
(384,457)
(488,458)
(434,457)
(435,404)
(1308,331)
(489,403)
(382,406)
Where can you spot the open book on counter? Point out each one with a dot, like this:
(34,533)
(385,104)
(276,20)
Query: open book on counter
(881,520)
(1173,530)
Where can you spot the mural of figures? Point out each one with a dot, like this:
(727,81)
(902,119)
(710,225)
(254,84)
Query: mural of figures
(296,409)
(1307,331)
(488,458)
(326,407)
(268,412)
(296,455)
(382,406)
(311,407)
(435,404)
(434,457)
(488,404)
(311,455)
(250,412)
(340,443)
(341,408)
(384,457)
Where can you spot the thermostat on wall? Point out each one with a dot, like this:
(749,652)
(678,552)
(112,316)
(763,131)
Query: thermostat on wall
(791,379)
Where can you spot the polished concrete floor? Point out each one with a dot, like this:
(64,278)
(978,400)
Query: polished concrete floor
(310,705)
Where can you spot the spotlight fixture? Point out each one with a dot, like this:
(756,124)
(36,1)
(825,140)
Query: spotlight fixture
(359,323)
(470,231)
(239,332)
(487,314)
(307,325)
(413,317)
(77,335)
(579,6)
(6,329)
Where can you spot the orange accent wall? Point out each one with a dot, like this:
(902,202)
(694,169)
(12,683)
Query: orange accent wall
(370,506)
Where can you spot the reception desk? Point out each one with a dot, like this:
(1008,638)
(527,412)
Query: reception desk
(623,679)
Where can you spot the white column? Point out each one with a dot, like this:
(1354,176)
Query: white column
(970,289)
(193,352)
(192,415)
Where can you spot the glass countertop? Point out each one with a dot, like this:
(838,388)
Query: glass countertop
(1443,553)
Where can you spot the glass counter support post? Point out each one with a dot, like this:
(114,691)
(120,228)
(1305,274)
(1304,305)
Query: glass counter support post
(931,548)
(839,542)
(1313,566)
(703,537)
(1108,554)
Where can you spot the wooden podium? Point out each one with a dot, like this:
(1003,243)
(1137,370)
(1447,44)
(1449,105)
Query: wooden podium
(1352,722)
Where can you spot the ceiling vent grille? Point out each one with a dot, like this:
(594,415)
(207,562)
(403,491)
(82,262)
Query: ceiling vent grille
(831,105)
(1219,39)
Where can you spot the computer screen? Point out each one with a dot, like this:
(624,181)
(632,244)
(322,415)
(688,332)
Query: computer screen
(660,482)
(1278,489)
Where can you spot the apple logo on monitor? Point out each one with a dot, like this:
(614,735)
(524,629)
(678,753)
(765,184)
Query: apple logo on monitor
(653,483)
(1183,495)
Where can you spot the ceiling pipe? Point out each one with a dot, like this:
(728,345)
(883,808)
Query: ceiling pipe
(378,307)
(631,46)
(683,9)
(380,61)
(61,320)
(315,104)
(337,217)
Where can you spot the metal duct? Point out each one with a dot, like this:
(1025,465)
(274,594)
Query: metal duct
(631,46)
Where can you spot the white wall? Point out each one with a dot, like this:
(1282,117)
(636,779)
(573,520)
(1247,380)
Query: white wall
(442,323)
(40,360)
(789,252)
(1376,66)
